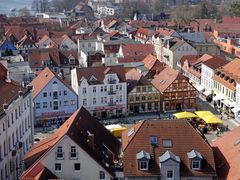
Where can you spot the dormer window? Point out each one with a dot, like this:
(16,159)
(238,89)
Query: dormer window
(196,165)
(195,159)
(143,160)
(143,165)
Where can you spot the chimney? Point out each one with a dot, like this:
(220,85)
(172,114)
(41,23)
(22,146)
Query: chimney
(20,93)
(91,139)
(5,106)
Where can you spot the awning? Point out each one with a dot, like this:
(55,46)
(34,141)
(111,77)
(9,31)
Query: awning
(207,93)
(235,109)
(199,87)
(208,117)
(217,97)
(228,103)
(183,115)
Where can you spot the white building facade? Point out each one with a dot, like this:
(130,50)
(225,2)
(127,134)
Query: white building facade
(207,77)
(103,93)
(16,130)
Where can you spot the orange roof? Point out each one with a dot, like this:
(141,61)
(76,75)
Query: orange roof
(43,78)
(230,69)
(184,138)
(41,81)
(149,61)
(226,152)
(165,78)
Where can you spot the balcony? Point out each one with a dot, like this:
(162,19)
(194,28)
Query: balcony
(111,81)
(59,155)
(73,155)
(111,92)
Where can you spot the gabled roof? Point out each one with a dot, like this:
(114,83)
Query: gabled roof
(149,61)
(9,91)
(134,78)
(169,155)
(184,138)
(231,70)
(163,32)
(41,81)
(215,62)
(165,78)
(100,72)
(77,128)
(190,58)
(137,49)
(226,152)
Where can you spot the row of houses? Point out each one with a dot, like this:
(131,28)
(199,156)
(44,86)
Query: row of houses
(113,91)
(216,78)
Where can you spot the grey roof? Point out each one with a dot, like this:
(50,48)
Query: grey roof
(196,37)
(193,154)
(169,155)
(143,155)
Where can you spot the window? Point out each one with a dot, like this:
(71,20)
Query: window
(138,89)
(37,105)
(84,90)
(77,167)
(153,140)
(84,102)
(94,100)
(120,98)
(149,89)
(143,165)
(44,104)
(58,167)
(143,98)
(101,88)
(55,105)
(101,175)
(73,153)
(94,89)
(170,174)
(195,164)
(65,93)
(44,94)
(55,95)
(167,143)
(137,98)
(59,153)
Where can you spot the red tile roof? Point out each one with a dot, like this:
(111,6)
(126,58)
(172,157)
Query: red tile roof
(37,56)
(165,78)
(190,58)
(230,69)
(43,79)
(162,32)
(111,48)
(137,49)
(9,91)
(230,20)
(99,73)
(184,139)
(149,61)
(226,151)
(215,62)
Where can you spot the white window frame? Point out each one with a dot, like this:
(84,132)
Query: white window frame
(170,170)
(196,161)
(75,169)
(103,173)
(140,165)
(60,167)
